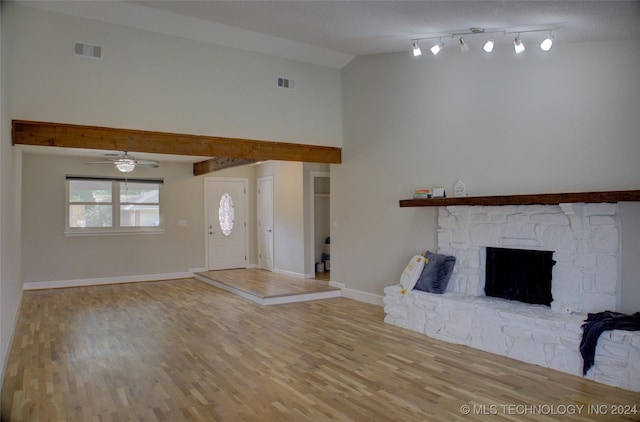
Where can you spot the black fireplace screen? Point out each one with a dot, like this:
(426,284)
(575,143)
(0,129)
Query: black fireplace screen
(519,274)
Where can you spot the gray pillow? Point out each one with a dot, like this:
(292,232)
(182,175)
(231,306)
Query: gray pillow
(436,273)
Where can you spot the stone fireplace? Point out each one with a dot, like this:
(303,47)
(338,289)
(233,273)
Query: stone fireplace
(584,239)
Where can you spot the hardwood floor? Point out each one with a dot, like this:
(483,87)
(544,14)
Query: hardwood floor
(184,350)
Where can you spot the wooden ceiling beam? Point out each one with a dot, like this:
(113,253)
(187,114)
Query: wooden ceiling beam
(103,138)
(215,164)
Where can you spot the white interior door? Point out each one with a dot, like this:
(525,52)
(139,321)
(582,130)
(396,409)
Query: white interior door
(265,223)
(226,223)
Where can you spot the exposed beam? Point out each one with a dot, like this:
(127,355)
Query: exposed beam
(103,138)
(215,164)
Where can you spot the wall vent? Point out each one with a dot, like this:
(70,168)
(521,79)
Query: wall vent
(87,50)
(286,83)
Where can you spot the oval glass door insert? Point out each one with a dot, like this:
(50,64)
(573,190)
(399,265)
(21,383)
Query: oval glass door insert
(226,214)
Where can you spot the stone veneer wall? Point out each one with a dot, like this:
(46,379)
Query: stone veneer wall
(529,333)
(585,239)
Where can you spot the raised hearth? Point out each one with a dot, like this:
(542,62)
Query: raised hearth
(585,241)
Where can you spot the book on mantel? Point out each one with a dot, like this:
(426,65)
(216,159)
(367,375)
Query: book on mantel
(422,194)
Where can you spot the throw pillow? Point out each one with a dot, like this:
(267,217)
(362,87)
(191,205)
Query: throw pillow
(436,273)
(411,273)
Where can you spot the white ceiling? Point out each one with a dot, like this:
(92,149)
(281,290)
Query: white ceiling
(332,33)
(372,27)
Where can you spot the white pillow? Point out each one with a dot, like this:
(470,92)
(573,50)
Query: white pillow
(411,273)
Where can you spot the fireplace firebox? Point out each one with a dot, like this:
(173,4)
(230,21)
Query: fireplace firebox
(519,274)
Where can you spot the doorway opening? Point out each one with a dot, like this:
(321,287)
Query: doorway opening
(320,217)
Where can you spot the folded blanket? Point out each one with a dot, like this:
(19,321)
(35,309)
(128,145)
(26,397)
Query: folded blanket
(596,324)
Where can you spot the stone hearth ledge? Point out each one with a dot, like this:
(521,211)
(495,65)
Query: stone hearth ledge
(529,333)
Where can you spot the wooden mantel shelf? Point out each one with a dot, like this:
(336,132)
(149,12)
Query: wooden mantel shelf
(535,199)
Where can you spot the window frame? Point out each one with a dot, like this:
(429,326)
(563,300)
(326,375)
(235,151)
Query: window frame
(115,203)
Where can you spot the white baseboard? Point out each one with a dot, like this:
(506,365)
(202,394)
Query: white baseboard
(358,295)
(361,296)
(58,284)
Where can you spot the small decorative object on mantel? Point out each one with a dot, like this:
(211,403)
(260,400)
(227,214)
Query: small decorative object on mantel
(439,193)
(460,189)
(422,194)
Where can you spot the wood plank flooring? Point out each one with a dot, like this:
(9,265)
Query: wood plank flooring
(183,350)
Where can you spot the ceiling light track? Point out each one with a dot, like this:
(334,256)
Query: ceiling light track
(490,42)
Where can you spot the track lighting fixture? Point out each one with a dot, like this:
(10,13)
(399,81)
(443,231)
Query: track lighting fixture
(416,49)
(518,46)
(437,47)
(489,45)
(464,47)
(547,43)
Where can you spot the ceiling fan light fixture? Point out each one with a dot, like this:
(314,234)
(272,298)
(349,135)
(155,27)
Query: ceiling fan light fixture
(125,165)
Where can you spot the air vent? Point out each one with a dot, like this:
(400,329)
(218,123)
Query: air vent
(286,83)
(87,50)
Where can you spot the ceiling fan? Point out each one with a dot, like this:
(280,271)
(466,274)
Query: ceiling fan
(126,163)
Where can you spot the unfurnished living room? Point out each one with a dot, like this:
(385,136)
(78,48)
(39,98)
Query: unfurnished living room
(319,210)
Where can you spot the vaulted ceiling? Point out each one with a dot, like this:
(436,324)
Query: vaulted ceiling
(331,34)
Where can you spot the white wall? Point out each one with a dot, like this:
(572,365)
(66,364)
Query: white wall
(49,255)
(158,82)
(165,83)
(10,219)
(559,122)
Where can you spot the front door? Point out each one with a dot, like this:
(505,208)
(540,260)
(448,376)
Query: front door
(225,220)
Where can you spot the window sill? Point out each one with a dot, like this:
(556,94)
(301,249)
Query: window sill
(113,232)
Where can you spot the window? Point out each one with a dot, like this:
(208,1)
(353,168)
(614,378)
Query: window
(226,214)
(110,206)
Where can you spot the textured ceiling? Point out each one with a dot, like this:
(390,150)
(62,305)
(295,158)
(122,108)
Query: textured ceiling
(371,27)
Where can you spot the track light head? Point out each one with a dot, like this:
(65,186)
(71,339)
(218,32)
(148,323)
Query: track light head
(547,43)
(518,45)
(488,46)
(464,47)
(416,49)
(437,47)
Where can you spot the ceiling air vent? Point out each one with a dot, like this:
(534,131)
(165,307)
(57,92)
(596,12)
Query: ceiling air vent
(87,50)
(286,83)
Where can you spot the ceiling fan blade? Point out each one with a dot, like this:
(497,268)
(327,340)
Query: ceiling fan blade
(148,165)
(99,162)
